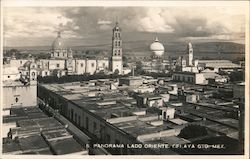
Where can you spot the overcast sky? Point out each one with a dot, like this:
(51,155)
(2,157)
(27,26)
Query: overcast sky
(33,26)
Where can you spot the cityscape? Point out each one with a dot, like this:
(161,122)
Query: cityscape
(122,97)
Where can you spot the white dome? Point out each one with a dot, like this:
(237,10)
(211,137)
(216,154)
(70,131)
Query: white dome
(157,48)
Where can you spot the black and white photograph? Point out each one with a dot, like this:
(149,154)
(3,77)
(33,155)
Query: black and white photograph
(125,78)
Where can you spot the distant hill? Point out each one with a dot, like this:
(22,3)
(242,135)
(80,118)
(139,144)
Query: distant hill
(141,48)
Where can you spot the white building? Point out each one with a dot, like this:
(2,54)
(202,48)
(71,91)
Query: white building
(189,77)
(20,88)
(62,62)
(10,73)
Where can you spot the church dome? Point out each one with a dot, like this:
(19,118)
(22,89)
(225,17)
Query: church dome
(157,48)
(58,43)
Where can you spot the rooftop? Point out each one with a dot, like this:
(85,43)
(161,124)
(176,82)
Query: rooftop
(36,133)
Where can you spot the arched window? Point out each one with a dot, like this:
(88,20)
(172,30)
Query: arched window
(16,99)
(33,74)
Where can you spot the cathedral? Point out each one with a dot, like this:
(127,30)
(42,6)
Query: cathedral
(63,63)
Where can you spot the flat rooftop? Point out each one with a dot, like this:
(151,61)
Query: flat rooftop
(38,134)
(138,127)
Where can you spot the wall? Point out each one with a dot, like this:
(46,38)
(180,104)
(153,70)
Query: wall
(18,62)
(80,66)
(53,64)
(90,66)
(102,64)
(117,64)
(26,96)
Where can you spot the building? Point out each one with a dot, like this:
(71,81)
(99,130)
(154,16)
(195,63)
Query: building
(10,73)
(63,63)
(190,54)
(239,92)
(20,88)
(131,81)
(218,65)
(149,100)
(189,77)
(116,59)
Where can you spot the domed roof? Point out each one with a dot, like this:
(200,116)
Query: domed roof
(58,43)
(156,46)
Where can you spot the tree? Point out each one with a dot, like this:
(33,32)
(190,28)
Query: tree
(116,72)
(193,131)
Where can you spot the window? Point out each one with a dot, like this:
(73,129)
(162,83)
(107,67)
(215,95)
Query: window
(72,113)
(119,43)
(58,65)
(8,76)
(94,126)
(33,73)
(75,117)
(46,73)
(27,73)
(115,43)
(87,123)
(17,99)
(103,64)
(81,64)
(93,64)
(21,62)
(58,54)
(79,120)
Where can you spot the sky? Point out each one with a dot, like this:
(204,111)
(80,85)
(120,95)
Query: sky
(88,26)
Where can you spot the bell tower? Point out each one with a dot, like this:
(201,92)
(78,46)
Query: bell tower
(190,54)
(116,59)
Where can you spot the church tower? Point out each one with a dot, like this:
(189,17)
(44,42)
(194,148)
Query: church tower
(190,54)
(116,59)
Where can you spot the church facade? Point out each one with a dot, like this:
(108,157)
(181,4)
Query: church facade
(63,63)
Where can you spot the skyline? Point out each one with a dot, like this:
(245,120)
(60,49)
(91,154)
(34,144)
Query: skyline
(83,26)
